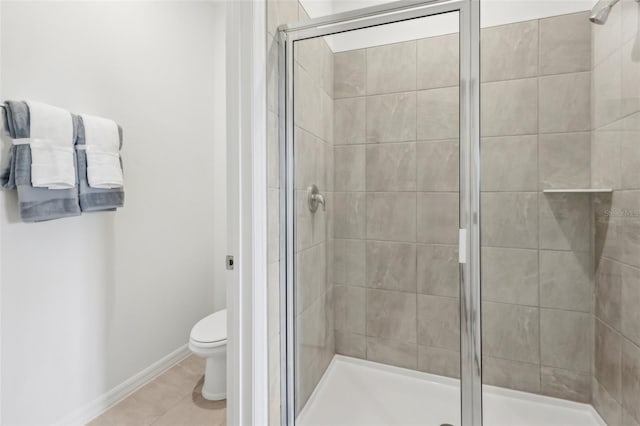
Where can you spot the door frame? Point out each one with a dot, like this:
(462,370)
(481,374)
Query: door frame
(469,210)
(246,101)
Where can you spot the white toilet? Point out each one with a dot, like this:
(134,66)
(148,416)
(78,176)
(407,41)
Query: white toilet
(209,340)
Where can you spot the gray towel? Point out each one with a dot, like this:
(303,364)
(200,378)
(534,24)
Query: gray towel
(36,204)
(95,199)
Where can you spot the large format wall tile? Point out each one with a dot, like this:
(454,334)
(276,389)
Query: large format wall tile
(565,44)
(608,306)
(439,322)
(391,266)
(391,68)
(349,74)
(349,262)
(607,38)
(438,270)
(443,362)
(631,379)
(391,216)
(607,359)
(438,217)
(391,118)
(349,212)
(511,374)
(437,164)
(349,168)
(391,167)
(391,315)
(566,339)
(565,103)
(510,332)
(608,408)
(630,79)
(537,80)
(349,121)
(630,306)
(629,158)
(307,108)
(309,159)
(351,344)
(510,163)
(438,62)
(607,164)
(566,280)
(565,160)
(566,384)
(392,352)
(630,19)
(606,103)
(510,108)
(311,228)
(509,51)
(350,306)
(510,275)
(438,111)
(509,219)
(310,276)
(565,222)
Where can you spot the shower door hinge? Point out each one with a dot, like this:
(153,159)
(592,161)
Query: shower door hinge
(462,246)
(230,263)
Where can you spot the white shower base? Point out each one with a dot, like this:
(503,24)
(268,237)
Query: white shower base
(355,392)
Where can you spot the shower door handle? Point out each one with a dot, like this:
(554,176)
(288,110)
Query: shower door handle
(462,246)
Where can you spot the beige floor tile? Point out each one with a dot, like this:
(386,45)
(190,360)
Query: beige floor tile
(174,398)
(194,364)
(181,378)
(194,410)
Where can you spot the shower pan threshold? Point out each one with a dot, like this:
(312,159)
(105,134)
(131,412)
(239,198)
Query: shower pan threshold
(355,392)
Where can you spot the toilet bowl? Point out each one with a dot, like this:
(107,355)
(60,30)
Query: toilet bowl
(208,340)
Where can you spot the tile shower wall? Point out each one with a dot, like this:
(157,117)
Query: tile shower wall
(615,156)
(313,85)
(537,262)
(396,204)
(313,147)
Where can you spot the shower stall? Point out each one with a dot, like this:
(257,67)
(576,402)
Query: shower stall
(459,216)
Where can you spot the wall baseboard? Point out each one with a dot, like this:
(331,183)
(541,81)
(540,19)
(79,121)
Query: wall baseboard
(93,409)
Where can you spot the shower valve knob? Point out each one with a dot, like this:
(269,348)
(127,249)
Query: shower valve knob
(314,198)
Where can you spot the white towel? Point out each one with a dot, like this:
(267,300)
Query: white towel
(52,161)
(102,139)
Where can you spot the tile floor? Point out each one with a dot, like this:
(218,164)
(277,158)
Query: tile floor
(173,399)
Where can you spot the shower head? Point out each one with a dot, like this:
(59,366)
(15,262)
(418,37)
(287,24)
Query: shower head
(600,16)
(600,12)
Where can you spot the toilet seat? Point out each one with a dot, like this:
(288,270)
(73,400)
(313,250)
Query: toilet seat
(211,331)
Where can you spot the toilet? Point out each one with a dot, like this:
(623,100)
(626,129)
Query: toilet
(208,340)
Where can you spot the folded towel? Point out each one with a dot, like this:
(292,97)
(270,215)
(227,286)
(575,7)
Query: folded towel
(51,139)
(102,145)
(95,199)
(35,204)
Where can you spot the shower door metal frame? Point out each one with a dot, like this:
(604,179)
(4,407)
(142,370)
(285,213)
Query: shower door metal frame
(469,193)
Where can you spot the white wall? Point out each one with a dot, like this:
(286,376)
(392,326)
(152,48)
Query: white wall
(493,12)
(87,302)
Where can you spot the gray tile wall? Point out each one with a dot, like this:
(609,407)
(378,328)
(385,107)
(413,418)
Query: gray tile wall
(314,164)
(615,157)
(313,81)
(396,159)
(396,204)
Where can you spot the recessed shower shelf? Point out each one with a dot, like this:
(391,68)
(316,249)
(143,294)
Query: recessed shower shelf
(578,191)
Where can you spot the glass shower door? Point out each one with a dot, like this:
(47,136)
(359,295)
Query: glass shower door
(379,127)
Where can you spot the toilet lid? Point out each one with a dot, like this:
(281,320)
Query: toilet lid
(211,329)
